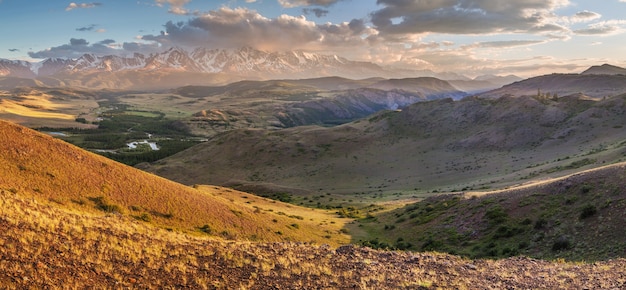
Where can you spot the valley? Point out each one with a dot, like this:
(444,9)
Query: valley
(265,179)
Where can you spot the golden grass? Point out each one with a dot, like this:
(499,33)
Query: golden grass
(54,247)
(34,111)
(37,107)
(38,166)
(53,237)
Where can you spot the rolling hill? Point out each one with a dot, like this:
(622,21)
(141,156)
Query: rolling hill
(593,85)
(72,219)
(37,166)
(426,148)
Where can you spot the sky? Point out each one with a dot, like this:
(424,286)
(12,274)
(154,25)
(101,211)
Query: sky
(471,37)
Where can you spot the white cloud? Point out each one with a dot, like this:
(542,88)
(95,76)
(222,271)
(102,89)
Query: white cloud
(584,16)
(233,28)
(176,6)
(603,28)
(504,44)
(296,3)
(73,5)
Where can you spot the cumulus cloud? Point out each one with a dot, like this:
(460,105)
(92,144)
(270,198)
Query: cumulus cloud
(296,3)
(73,5)
(176,6)
(315,11)
(77,47)
(233,28)
(468,16)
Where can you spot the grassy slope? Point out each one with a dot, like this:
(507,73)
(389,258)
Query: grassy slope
(51,171)
(579,217)
(47,245)
(438,146)
(37,107)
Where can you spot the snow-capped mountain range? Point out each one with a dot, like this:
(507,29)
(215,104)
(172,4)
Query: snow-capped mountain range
(244,61)
(202,66)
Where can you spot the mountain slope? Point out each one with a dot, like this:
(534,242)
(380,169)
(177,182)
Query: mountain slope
(429,146)
(34,165)
(593,85)
(578,217)
(605,69)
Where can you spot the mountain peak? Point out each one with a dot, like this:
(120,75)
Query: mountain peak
(605,69)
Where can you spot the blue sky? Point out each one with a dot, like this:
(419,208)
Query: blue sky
(473,37)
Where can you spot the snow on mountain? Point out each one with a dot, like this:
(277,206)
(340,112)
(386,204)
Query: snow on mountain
(15,68)
(245,61)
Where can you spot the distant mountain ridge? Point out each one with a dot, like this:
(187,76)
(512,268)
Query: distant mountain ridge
(231,65)
(589,84)
(244,61)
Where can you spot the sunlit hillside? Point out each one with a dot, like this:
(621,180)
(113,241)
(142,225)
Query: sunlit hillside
(45,245)
(34,165)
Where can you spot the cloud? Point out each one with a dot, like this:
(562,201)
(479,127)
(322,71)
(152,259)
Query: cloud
(176,6)
(76,48)
(584,16)
(315,11)
(13,49)
(467,16)
(603,28)
(73,5)
(296,3)
(504,44)
(87,28)
(234,28)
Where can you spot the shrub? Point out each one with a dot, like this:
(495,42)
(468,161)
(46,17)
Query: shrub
(540,224)
(143,217)
(496,215)
(588,211)
(205,229)
(561,243)
(102,204)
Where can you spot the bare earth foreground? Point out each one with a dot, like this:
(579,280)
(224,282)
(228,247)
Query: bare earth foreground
(49,243)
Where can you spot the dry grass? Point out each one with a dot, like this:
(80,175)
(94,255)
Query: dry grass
(426,149)
(36,107)
(53,236)
(40,167)
(48,246)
